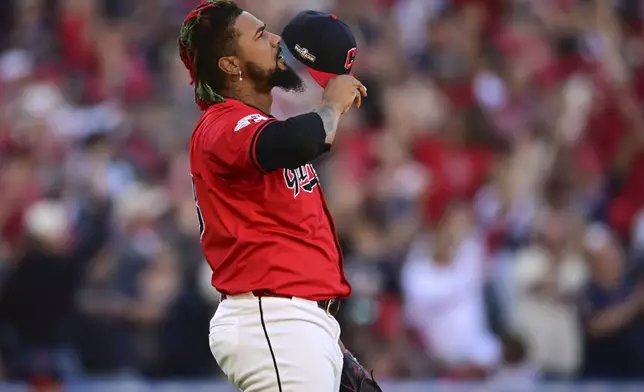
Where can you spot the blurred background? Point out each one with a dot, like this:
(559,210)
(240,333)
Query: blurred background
(489,194)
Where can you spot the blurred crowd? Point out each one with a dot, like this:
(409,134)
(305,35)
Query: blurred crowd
(489,194)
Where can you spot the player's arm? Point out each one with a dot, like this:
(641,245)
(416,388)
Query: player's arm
(294,142)
(330,116)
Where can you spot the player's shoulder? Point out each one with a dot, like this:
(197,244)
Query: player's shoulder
(230,116)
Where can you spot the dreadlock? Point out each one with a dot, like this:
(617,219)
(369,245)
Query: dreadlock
(207,34)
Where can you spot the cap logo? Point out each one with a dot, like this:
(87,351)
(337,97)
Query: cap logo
(304,52)
(351,57)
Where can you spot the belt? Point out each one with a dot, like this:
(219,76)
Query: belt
(331,306)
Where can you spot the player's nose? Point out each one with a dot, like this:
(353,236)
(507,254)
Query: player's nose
(275,39)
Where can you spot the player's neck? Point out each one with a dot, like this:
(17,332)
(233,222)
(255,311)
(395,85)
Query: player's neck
(259,100)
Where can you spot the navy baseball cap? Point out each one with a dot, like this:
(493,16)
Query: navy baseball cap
(322,43)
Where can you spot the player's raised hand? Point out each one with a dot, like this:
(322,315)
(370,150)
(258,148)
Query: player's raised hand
(344,91)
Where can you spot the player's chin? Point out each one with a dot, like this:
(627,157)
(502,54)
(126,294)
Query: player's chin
(288,80)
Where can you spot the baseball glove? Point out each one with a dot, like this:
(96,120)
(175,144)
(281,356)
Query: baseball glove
(355,378)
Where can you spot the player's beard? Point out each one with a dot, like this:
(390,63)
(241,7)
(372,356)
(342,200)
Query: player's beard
(286,79)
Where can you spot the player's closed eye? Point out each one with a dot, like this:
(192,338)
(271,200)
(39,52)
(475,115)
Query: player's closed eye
(261,32)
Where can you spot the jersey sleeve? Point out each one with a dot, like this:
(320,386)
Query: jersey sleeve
(229,140)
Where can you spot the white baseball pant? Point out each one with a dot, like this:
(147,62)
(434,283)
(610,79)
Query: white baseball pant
(276,344)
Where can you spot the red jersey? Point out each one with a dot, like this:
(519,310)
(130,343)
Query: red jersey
(260,231)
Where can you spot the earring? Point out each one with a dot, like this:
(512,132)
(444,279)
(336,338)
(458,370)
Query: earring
(240,76)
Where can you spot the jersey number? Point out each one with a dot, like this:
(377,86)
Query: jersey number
(199,214)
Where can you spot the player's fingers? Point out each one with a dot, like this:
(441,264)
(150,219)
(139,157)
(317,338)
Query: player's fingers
(347,108)
(355,94)
(357,102)
(358,84)
(363,90)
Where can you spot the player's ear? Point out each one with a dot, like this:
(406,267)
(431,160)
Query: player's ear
(230,65)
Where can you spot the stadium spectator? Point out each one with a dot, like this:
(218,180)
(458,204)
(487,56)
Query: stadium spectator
(442,285)
(549,276)
(612,311)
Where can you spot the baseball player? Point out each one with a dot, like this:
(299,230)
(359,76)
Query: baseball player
(265,228)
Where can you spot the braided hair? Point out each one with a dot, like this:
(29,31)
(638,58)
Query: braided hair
(207,34)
